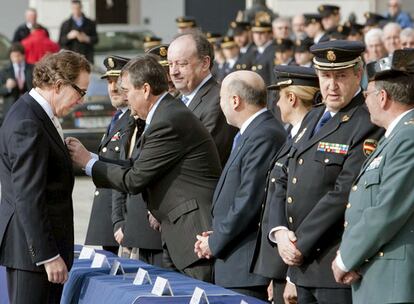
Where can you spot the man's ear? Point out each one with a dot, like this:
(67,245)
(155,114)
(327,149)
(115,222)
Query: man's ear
(235,101)
(147,90)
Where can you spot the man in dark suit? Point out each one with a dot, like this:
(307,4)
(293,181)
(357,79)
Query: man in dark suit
(100,231)
(78,33)
(239,192)
(177,168)
(24,29)
(324,160)
(190,57)
(15,79)
(36,214)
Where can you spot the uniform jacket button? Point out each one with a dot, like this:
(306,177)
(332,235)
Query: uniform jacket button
(294,180)
(348,205)
(345,224)
(104,149)
(301,161)
(96,193)
(290,200)
(354,188)
(381,254)
(273,180)
(116,149)
(290,219)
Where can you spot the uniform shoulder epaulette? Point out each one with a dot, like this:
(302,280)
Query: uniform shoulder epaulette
(409,122)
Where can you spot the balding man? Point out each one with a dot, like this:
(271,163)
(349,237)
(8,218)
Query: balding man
(240,191)
(190,57)
(395,14)
(374,46)
(24,29)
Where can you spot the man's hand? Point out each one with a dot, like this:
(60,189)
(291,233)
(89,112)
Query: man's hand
(270,291)
(290,295)
(154,224)
(10,84)
(56,270)
(286,246)
(82,37)
(80,156)
(73,34)
(201,247)
(344,277)
(119,236)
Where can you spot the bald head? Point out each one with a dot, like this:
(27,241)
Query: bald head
(249,86)
(242,94)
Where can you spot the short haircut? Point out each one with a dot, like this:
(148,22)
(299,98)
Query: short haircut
(146,69)
(399,88)
(203,46)
(65,66)
(391,26)
(407,32)
(254,95)
(16,47)
(280,20)
(372,34)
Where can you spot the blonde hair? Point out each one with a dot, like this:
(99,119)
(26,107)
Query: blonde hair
(306,94)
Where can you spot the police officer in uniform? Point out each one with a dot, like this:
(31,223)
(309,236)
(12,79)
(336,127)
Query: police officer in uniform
(322,163)
(234,62)
(265,50)
(284,52)
(378,240)
(303,56)
(241,31)
(151,42)
(298,87)
(100,231)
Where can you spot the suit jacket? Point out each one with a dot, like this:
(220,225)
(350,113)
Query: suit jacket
(100,231)
(36,214)
(378,239)
(129,211)
(88,27)
(23,31)
(237,202)
(206,106)
(177,170)
(321,170)
(266,259)
(11,96)
(264,63)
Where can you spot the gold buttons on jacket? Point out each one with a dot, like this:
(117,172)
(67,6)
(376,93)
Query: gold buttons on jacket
(294,180)
(381,254)
(117,149)
(326,160)
(104,149)
(290,200)
(348,205)
(301,161)
(290,219)
(354,188)
(273,180)
(345,224)
(96,193)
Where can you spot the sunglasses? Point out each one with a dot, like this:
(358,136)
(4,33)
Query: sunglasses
(79,90)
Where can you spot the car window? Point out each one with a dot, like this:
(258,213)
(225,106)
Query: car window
(120,41)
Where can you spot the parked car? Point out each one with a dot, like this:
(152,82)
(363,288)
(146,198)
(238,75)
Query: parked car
(4,50)
(121,40)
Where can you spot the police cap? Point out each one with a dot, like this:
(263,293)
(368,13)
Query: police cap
(288,75)
(114,65)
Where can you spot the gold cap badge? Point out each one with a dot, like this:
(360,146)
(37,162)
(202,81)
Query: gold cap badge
(111,63)
(331,56)
(163,52)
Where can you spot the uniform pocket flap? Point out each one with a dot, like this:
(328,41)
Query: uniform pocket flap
(329,158)
(182,209)
(371,179)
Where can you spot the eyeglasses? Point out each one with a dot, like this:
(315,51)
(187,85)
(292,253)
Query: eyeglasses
(79,90)
(366,93)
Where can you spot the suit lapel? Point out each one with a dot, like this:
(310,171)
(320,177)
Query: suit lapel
(343,116)
(201,92)
(47,122)
(236,151)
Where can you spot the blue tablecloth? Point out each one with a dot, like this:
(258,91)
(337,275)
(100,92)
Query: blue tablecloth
(87,286)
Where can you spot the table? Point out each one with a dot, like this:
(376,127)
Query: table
(94,285)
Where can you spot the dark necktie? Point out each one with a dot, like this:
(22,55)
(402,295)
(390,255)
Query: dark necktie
(324,119)
(235,140)
(114,120)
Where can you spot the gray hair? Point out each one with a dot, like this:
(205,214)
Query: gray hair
(399,89)
(391,26)
(280,20)
(407,32)
(372,34)
(203,46)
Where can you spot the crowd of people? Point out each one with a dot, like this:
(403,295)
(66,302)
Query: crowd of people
(273,160)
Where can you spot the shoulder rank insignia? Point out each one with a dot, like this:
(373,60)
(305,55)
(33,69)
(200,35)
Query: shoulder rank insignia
(369,146)
(299,136)
(333,148)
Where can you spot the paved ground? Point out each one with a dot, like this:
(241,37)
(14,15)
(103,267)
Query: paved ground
(82,204)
